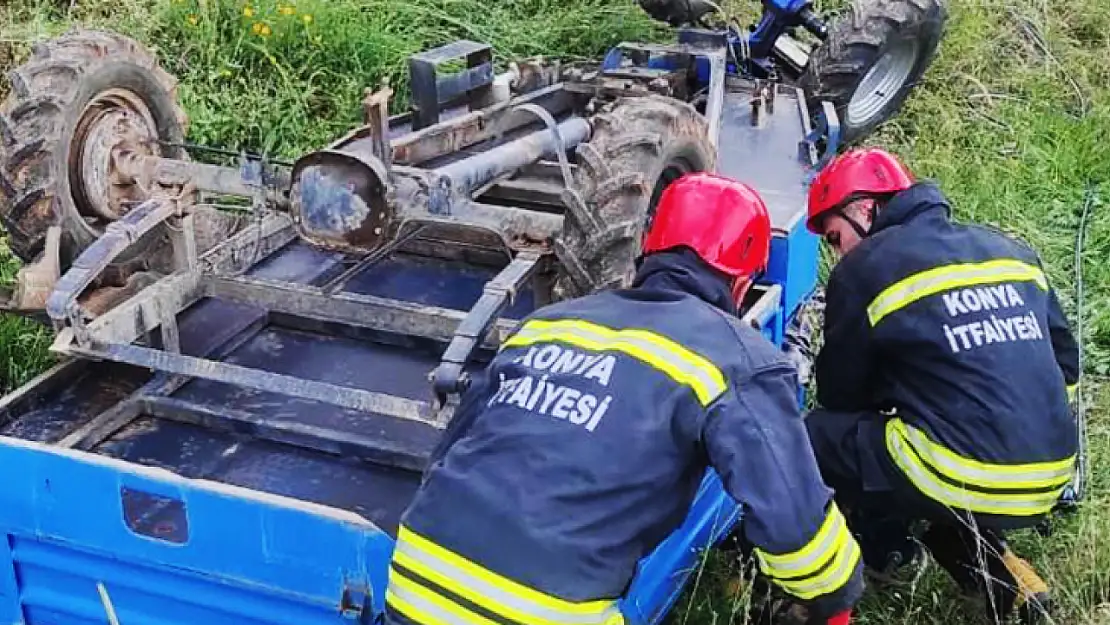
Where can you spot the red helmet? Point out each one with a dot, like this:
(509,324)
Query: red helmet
(723,221)
(852,175)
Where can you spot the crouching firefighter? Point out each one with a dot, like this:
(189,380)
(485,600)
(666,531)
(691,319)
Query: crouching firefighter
(584,443)
(944,382)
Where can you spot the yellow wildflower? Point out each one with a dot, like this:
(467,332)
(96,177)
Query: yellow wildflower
(307,18)
(193,20)
(266,32)
(248,11)
(286,10)
(256,28)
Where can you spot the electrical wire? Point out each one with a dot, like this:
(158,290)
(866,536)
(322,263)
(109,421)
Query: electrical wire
(1081,469)
(225,152)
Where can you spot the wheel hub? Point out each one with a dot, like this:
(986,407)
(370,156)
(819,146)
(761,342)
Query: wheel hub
(112,122)
(882,82)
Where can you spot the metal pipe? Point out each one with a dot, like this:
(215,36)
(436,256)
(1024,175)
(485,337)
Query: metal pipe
(470,173)
(513,222)
(205,177)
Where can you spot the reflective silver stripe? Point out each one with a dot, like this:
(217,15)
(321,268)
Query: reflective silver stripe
(402,595)
(491,596)
(684,366)
(830,580)
(1031,476)
(947,277)
(830,539)
(932,486)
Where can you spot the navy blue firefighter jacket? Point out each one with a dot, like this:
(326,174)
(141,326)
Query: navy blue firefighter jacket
(583,447)
(953,331)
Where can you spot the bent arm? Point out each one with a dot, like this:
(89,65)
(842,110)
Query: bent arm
(757,443)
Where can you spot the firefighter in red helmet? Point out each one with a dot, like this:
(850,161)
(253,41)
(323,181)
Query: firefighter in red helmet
(944,381)
(583,444)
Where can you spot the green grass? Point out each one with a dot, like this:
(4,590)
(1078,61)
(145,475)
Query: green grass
(1013,120)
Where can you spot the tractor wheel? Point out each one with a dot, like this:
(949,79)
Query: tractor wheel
(639,146)
(873,57)
(76,99)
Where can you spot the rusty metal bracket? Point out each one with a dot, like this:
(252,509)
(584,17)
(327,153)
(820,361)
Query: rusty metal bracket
(184,243)
(762,102)
(449,377)
(376,116)
(62,305)
(430,91)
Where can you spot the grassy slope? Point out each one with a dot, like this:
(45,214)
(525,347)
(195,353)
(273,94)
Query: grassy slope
(1013,120)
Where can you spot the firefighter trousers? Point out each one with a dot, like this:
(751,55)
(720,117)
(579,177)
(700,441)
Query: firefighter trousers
(881,506)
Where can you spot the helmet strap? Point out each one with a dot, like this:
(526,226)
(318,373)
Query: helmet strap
(857,226)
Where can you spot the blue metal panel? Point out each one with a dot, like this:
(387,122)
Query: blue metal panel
(662,576)
(9,587)
(248,557)
(434,282)
(794,265)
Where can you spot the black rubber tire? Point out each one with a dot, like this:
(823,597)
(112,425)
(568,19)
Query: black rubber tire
(639,146)
(858,38)
(37,125)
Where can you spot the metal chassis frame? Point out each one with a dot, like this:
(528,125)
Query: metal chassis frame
(153,398)
(114,335)
(126,333)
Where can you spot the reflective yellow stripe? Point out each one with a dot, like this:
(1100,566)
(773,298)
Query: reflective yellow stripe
(947,277)
(493,592)
(1072,392)
(945,462)
(399,603)
(674,360)
(426,607)
(816,552)
(822,566)
(925,462)
(832,579)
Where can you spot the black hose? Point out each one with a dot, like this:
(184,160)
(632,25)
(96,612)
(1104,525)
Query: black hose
(1077,490)
(813,23)
(1079,485)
